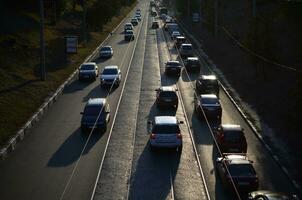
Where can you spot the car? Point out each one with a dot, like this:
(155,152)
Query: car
(192,64)
(172,27)
(106,52)
(152,3)
(237,168)
(230,138)
(155,25)
(163,16)
(165,133)
(138,17)
(180,40)
(128,26)
(134,21)
(96,115)
(175,34)
(209,105)
(88,71)
(138,11)
(186,50)
(270,195)
(167,23)
(173,67)
(153,13)
(111,75)
(207,84)
(129,35)
(166,96)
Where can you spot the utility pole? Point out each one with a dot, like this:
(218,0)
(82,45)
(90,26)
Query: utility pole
(84,22)
(42,43)
(216,18)
(254,8)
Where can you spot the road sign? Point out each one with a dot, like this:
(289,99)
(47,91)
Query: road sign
(71,44)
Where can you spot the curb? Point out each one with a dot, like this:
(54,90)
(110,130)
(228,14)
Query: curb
(19,136)
(210,65)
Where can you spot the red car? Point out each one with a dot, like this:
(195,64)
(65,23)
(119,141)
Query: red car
(231,138)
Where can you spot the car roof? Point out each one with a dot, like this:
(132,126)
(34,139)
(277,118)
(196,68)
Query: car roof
(174,32)
(161,120)
(237,159)
(89,63)
(111,67)
(231,127)
(128,24)
(167,88)
(208,77)
(192,58)
(96,101)
(186,44)
(180,37)
(208,96)
(173,61)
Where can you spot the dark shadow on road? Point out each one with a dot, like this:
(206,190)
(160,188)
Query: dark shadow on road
(77,85)
(69,152)
(99,92)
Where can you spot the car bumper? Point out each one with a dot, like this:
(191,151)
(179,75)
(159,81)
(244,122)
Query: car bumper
(165,145)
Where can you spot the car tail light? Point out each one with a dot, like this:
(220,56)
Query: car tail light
(152,136)
(179,136)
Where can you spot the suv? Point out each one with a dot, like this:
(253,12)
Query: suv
(96,115)
(210,105)
(238,168)
(180,40)
(173,67)
(166,133)
(192,64)
(88,71)
(231,138)
(207,84)
(134,21)
(166,97)
(186,50)
(129,35)
(111,75)
(106,52)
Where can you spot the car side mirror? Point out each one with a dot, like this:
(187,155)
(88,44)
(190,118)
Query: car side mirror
(181,122)
(81,113)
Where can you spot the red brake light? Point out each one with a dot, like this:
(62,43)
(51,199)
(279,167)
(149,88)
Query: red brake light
(179,136)
(152,136)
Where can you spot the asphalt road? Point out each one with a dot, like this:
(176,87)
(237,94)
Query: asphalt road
(48,164)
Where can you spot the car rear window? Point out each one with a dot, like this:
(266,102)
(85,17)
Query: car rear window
(173,63)
(210,82)
(105,49)
(87,67)
(93,110)
(166,129)
(168,94)
(233,136)
(110,71)
(186,47)
(241,170)
(210,101)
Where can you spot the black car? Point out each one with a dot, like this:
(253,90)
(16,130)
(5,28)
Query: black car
(210,105)
(270,195)
(166,96)
(96,115)
(240,170)
(231,138)
(155,25)
(207,84)
(179,41)
(129,35)
(192,64)
(173,67)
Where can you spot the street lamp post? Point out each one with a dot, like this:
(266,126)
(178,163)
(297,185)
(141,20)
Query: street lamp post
(42,43)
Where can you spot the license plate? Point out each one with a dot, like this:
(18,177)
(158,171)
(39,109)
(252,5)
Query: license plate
(168,100)
(86,76)
(174,69)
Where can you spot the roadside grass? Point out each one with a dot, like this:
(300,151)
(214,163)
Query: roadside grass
(21,91)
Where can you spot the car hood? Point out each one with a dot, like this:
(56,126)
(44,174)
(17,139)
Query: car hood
(109,76)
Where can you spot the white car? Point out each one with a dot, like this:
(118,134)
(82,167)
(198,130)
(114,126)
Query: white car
(111,75)
(106,52)
(88,71)
(175,34)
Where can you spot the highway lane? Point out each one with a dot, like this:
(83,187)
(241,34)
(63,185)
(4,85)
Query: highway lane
(151,175)
(41,165)
(270,175)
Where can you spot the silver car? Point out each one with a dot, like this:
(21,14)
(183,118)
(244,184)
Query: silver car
(166,133)
(106,52)
(111,75)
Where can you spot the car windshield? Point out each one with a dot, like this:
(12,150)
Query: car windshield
(87,67)
(241,170)
(105,49)
(129,32)
(187,47)
(110,71)
(167,94)
(173,63)
(233,136)
(93,110)
(210,101)
(193,61)
(210,82)
(166,129)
